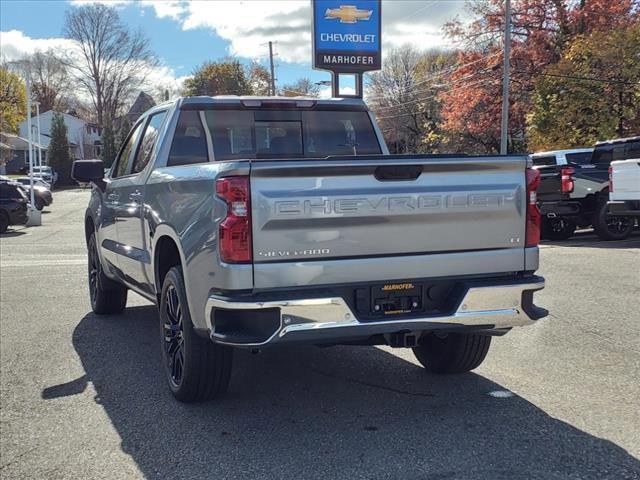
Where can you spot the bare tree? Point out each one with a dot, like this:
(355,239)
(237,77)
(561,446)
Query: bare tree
(403,95)
(49,80)
(113,60)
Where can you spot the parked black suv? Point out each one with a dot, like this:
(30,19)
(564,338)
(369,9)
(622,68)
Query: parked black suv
(13,205)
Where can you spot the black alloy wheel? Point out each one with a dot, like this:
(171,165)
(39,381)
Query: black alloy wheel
(94,272)
(196,369)
(106,295)
(611,227)
(618,225)
(174,336)
(557,228)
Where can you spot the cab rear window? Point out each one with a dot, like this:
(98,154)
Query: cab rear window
(271,134)
(544,160)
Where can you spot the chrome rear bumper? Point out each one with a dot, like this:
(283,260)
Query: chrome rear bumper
(326,320)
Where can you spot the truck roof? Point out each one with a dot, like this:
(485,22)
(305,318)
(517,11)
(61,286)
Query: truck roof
(248,101)
(617,140)
(565,151)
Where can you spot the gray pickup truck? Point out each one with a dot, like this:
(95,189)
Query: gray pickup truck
(256,222)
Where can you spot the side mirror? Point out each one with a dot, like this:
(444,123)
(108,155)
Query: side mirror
(85,171)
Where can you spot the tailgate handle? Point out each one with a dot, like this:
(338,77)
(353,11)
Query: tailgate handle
(395,173)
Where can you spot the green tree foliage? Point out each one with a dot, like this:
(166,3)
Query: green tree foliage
(13,101)
(541,32)
(303,87)
(109,151)
(227,77)
(59,155)
(591,94)
(259,79)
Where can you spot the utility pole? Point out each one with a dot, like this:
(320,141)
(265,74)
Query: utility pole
(39,137)
(505,80)
(273,78)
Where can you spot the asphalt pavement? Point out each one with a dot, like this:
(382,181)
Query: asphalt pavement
(83,396)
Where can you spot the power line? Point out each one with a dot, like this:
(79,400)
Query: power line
(414,100)
(427,98)
(589,79)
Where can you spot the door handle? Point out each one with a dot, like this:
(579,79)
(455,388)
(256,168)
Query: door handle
(113,197)
(135,197)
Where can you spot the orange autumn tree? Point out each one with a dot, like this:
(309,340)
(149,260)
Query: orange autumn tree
(540,31)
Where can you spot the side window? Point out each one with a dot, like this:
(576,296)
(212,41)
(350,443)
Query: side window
(633,149)
(546,160)
(582,158)
(125,154)
(151,133)
(602,154)
(618,152)
(189,143)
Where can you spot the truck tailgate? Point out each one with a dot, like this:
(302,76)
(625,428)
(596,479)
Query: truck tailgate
(376,207)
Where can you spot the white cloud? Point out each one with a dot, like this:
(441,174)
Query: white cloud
(166,8)
(14,44)
(249,24)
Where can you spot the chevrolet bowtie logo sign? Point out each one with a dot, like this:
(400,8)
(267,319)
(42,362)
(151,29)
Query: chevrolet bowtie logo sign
(348,14)
(346,35)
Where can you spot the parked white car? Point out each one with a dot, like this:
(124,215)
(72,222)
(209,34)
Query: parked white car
(46,173)
(624,188)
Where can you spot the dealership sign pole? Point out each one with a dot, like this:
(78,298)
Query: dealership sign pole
(346,39)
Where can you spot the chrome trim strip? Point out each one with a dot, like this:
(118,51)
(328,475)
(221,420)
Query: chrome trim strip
(308,319)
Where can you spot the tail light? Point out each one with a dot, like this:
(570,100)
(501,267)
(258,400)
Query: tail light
(235,229)
(566,179)
(610,179)
(533,212)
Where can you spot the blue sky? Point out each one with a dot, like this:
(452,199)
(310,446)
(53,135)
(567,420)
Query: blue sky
(185,34)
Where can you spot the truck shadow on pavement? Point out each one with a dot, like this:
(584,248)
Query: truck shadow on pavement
(341,412)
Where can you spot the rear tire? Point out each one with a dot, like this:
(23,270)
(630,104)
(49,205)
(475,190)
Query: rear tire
(196,368)
(611,227)
(107,297)
(39,204)
(4,221)
(557,228)
(455,353)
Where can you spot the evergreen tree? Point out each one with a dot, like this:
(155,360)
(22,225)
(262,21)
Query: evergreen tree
(59,155)
(109,141)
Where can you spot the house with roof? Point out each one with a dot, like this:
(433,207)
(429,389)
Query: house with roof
(84,137)
(14,153)
(141,104)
